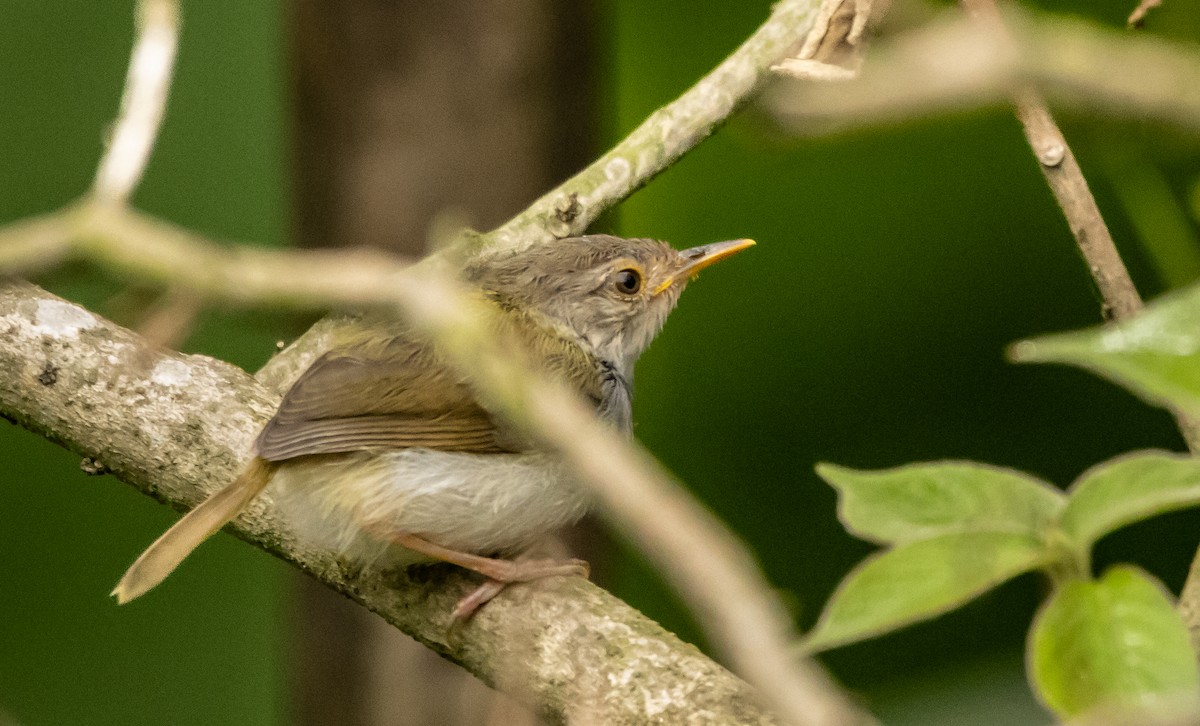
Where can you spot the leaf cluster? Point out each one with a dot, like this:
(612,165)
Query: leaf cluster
(1108,647)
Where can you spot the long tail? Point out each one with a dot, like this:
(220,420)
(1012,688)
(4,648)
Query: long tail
(162,557)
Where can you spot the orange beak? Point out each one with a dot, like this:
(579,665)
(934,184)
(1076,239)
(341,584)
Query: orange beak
(697,258)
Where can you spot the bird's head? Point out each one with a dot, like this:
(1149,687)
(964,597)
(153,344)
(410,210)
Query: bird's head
(611,294)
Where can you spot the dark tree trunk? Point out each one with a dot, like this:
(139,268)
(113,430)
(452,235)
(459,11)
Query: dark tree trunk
(410,116)
(406,110)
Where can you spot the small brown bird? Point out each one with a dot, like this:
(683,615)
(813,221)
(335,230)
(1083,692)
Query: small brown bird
(381,449)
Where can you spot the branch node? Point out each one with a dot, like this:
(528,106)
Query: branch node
(1051,154)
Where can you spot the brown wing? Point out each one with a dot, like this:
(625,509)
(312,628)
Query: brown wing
(392,395)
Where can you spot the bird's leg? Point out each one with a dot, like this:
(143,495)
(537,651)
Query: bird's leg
(492,567)
(500,572)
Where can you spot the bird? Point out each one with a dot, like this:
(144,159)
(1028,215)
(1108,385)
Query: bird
(383,450)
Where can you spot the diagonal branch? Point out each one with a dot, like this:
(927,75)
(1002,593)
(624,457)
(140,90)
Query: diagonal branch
(1070,188)
(693,549)
(661,139)
(1121,299)
(704,560)
(178,426)
(1066,181)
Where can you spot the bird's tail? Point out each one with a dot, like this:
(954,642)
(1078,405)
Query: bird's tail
(162,557)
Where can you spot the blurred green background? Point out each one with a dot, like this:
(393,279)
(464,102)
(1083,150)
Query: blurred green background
(867,328)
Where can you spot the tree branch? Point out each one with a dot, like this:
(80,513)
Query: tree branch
(1070,189)
(147,85)
(1138,16)
(135,245)
(691,547)
(1121,299)
(176,427)
(661,139)
(702,558)
(954,63)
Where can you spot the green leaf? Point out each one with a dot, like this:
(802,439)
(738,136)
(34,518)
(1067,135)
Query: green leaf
(918,580)
(1128,489)
(1156,354)
(1113,646)
(919,501)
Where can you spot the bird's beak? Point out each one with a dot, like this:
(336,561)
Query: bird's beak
(697,258)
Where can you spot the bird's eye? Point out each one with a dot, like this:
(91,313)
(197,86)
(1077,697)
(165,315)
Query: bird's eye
(628,281)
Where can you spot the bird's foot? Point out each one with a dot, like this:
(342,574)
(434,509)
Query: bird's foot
(516,571)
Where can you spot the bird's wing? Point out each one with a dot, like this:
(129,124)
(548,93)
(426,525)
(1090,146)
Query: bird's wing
(397,394)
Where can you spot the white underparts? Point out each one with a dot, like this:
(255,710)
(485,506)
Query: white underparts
(481,503)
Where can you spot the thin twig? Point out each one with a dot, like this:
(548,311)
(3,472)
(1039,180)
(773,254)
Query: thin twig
(661,139)
(1061,171)
(1138,17)
(143,103)
(1066,181)
(955,63)
(1070,188)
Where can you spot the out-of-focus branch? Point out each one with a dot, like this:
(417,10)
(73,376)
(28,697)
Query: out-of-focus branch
(171,319)
(177,427)
(143,103)
(142,247)
(695,552)
(1138,16)
(953,64)
(661,139)
(692,548)
(34,244)
(1070,189)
